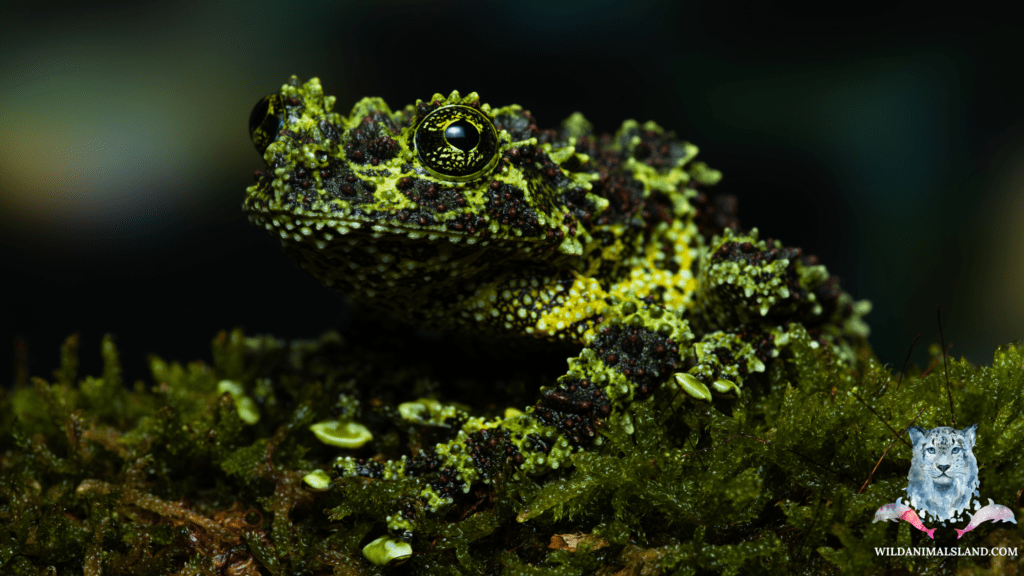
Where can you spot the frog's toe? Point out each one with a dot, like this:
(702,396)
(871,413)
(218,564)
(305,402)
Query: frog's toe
(341,433)
(725,388)
(318,481)
(386,551)
(694,387)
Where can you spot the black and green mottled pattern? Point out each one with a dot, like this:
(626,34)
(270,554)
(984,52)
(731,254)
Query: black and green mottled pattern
(613,242)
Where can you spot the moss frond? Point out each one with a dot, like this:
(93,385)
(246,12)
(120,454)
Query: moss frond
(168,477)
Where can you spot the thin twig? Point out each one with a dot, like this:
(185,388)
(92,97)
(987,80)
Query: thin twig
(868,406)
(671,404)
(877,464)
(689,438)
(765,442)
(905,362)
(700,460)
(930,366)
(938,314)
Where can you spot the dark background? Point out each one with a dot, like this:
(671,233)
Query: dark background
(886,139)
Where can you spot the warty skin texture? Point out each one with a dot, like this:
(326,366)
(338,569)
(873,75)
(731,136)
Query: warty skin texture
(456,216)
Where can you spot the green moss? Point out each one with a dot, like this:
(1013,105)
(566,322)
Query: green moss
(166,477)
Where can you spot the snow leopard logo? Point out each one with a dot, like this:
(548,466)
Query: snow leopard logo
(944,472)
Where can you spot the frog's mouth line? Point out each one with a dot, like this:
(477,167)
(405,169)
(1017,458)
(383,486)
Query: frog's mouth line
(323,229)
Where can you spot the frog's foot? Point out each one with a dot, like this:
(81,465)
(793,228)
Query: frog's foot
(725,360)
(761,284)
(633,352)
(745,280)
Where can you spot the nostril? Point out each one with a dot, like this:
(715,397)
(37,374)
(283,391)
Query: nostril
(943,468)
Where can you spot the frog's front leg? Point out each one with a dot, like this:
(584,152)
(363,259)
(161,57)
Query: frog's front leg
(753,296)
(633,351)
(725,360)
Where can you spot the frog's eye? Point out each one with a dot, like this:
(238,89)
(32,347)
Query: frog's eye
(265,122)
(456,143)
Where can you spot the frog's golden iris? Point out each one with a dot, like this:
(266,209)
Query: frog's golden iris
(265,121)
(456,143)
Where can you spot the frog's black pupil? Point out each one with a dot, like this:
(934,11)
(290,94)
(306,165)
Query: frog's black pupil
(462,135)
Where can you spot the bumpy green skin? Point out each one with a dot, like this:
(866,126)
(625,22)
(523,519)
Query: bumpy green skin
(609,242)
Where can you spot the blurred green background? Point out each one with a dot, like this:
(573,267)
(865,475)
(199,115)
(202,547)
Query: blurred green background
(886,139)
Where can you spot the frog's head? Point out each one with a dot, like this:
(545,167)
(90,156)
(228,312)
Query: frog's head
(384,202)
